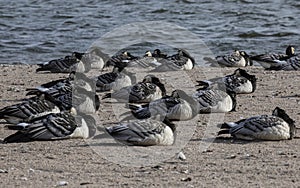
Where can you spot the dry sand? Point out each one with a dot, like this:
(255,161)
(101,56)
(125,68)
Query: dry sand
(226,162)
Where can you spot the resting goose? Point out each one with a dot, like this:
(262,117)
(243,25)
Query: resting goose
(235,59)
(278,126)
(147,132)
(57,126)
(28,110)
(239,82)
(63,86)
(84,101)
(180,61)
(121,60)
(95,58)
(215,100)
(64,65)
(292,64)
(114,80)
(177,107)
(271,60)
(148,90)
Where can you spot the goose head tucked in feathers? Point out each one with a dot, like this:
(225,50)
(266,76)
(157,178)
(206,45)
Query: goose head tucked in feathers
(153,79)
(251,78)
(283,115)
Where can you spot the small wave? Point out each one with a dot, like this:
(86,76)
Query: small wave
(254,34)
(37,49)
(158,11)
(59,16)
(49,44)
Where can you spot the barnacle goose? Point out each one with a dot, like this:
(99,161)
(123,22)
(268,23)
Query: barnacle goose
(53,127)
(180,61)
(278,126)
(215,100)
(235,59)
(146,132)
(114,80)
(148,90)
(28,110)
(271,60)
(177,107)
(239,82)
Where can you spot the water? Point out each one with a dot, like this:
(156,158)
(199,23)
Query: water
(35,31)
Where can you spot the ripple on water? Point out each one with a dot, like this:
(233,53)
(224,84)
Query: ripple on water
(35,31)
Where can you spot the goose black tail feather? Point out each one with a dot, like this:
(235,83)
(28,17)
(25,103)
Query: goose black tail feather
(17,137)
(224,126)
(224,131)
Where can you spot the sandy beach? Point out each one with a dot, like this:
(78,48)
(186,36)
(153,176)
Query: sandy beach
(224,162)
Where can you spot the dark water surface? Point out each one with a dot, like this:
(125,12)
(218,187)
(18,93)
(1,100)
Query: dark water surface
(38,31)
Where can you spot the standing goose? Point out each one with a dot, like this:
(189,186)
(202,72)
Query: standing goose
(271,60)
(177,107)
(114,80)
(28,110)
(278,126)
(235,59)
(148,90)
(57,126)
(215,100)
(180,61)
(147,132)
(239,82)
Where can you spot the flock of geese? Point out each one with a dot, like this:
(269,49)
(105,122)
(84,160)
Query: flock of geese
(63,108)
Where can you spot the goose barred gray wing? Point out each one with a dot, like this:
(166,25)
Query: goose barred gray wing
(180,61)
(150,59)
(84,101)
(292,64)
(215,100)
(143,133)
(28,110)
(63,65)
(239,82)
(138,93)
(270,60)
(55,91)
(114,81)
(160,107)
(55,126)
(63,86)
(120,61)
(235,59)
(265,127)
(177,107)
(148,90)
